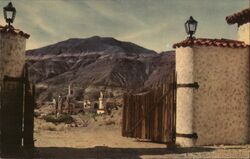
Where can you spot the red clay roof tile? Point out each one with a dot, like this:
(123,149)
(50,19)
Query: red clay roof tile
(240,18)
(14,31)
(211,42)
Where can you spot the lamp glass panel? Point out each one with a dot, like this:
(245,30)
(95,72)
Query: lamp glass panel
(192,27)
(9,14)
(187,28)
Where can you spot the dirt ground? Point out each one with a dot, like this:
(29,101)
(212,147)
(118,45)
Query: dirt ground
(107,142)
(101,138)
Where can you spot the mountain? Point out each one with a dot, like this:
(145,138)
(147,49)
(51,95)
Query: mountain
(94,64)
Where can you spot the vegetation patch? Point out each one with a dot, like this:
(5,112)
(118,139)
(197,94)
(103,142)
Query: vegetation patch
(63,118)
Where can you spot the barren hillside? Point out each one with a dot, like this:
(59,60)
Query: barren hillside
(93,64)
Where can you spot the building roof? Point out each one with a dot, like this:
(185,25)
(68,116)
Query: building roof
(5,29)
(211,42)
(240,18)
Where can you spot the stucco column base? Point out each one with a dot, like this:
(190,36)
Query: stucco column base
(184,142)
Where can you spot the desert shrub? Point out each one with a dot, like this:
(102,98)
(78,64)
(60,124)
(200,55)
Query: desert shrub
(63,118)
(86,118)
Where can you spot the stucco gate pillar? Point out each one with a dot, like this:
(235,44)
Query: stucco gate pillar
(184,99)
(12,52)
(212,92)
(12,63)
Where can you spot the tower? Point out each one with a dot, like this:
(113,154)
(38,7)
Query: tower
(102,103)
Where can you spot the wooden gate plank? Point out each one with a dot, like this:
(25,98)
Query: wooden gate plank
(29,105)
(151,115)
(11,115)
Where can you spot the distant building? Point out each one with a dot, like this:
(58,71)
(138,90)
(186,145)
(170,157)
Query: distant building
(102,104)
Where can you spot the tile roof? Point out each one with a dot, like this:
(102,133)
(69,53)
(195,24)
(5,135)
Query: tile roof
(240,18)
(211,42)
(13,31)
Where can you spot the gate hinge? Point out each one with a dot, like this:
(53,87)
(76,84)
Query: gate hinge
(194,135)
(189,85)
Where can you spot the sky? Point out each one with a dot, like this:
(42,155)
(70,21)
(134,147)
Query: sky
(153,24)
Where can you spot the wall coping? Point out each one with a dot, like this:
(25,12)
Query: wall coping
(6,29)
(211,42)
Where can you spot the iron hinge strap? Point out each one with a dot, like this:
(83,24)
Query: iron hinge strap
(194,135)
(189,85)
(15,79)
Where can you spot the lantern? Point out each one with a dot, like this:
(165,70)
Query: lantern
(9,13)
(191,26)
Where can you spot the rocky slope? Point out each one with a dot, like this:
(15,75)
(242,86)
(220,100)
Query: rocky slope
(93,64)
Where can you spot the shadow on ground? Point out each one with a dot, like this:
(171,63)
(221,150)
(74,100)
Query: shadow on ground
(108,152)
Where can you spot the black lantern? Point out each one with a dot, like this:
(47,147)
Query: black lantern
(9,13)
(191,26)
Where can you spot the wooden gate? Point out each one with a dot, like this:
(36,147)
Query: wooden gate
(151,115)
(16,115)
(11,115)
(29,106)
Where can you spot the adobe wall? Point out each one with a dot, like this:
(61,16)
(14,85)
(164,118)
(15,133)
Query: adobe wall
(244,33)
(221,104)
(12,54)
(219,110)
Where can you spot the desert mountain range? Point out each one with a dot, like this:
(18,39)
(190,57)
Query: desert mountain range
(94,64)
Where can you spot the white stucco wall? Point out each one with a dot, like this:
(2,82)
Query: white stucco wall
(184,102)
(220,107)
(12,54)
(244,33)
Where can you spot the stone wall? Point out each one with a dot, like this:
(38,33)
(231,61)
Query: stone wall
(12,54)
(220,107)
(244,33)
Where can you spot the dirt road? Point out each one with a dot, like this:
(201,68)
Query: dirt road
(107,142)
